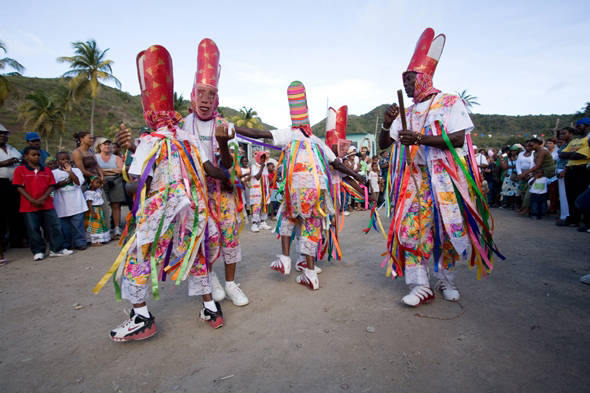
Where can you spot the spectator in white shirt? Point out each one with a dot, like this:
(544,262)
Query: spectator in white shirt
(10,218)
(69,202)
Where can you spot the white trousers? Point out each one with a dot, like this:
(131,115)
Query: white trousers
(197,286)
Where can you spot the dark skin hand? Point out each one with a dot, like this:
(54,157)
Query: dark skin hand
(72,178)
(39,202)
(123,138)
(9,162)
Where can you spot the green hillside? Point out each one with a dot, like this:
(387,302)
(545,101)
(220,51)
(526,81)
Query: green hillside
(112,107)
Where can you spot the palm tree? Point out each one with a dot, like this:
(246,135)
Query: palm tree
(178,102)
(247,118)
(7,62)
(65,103)
(468,100)
(88,67)
(41,114)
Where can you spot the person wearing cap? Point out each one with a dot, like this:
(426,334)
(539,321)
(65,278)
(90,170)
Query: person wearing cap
(577,178)
(428,224)
(34,139)
(114,190)
(10,158)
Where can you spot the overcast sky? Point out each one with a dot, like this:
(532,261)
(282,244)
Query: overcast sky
(517,57)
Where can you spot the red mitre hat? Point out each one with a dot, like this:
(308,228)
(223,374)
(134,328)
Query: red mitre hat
(341,120)
(336,125)
(154,70)
(207,63)
(427,52)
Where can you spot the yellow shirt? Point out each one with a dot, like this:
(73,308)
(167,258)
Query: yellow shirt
(580,146)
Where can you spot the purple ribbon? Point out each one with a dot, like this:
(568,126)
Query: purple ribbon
(142,181)
(258,143)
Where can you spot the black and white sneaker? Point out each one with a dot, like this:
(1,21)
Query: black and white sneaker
(215,318)
(137,327)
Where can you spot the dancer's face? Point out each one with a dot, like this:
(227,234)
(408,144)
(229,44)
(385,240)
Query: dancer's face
(206,100)
(409,79)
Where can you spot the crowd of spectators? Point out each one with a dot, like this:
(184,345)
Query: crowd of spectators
(541,178)
(70,200)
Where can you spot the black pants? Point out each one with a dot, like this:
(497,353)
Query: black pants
(577,179)
(538,204)
(11,220)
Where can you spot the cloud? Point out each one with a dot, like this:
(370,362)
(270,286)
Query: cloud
(556,87)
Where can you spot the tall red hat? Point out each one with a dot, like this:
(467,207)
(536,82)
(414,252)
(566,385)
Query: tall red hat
(207,63)
(336,125)
(427,52)
(156,81)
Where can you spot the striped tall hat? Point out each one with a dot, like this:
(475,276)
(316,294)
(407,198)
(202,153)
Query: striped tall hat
(298,106)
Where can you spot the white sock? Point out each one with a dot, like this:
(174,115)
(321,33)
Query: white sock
(228,283)
(143,311)
(210,305)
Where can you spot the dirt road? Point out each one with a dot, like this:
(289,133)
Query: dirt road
(526,328)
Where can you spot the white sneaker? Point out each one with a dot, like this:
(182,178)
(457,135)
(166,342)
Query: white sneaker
(264,225)
(117,232)
(418,295)
(281,264)
(302,264)
(61,253)
(346,213)
(308,278)
(448,290)
(38,256)
(235,294)
(254,228)
(216,288)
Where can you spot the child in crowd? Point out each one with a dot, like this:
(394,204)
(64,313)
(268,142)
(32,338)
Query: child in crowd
(35,183)
(259,192)
(69,202)
(245,179)
(273,203)
(374,182)
(97,231)
(538,192)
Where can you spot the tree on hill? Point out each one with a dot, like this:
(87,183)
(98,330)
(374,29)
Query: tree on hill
(41,114)
(7,62)
(584,112)
(247,118)
(468,100)
(88,67)
(65,103)
(179,103)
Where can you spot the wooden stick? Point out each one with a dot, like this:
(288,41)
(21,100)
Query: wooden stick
(402,110)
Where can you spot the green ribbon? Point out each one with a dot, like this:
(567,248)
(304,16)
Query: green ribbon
(153,267)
